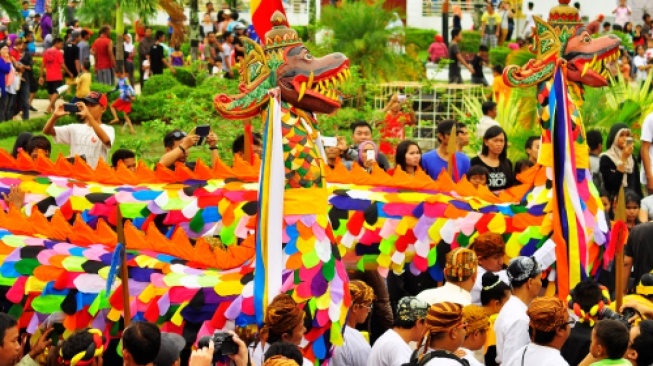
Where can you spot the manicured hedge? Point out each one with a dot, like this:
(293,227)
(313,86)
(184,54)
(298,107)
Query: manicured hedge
(470,42)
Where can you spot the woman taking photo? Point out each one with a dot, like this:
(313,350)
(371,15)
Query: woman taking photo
(617,166)
(409,158)
(494,157)
(368,155)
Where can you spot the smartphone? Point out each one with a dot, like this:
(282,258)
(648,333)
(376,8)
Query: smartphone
(629,140)
(401,97)
(329,141)
(55,321)
(202,131)
(370,154)
(70,107)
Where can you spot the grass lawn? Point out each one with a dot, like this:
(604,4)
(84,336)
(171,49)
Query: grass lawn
(154,150)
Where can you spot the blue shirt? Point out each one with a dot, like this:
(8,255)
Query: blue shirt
(433,164)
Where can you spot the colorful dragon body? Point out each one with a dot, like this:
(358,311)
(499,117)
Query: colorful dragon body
(566,60)
(197,240)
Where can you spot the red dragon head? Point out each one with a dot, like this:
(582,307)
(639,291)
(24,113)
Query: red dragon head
(306,82)
(590,61)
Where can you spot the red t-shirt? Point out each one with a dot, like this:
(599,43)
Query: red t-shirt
(15,54)
(102,58)
(393,128)
(52,61)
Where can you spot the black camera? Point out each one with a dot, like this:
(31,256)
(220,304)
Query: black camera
(607,313)
(223,344)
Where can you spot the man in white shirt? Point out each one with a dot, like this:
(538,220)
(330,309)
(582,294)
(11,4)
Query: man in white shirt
(356,349)
(392,349)
(646,175)
(478,323)
(511,326)
(527,32)
(90,139)
(460,273)
(550,326)
(444,334)
(488,120)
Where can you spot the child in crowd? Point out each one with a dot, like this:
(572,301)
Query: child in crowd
(177,57)
(478,175)
(532,148)
(523,165)
(124,101)
(146,69)
(624,67)
(632,209)
(610,339)
(641,65)
(499,88)
(83,82)
(477,65)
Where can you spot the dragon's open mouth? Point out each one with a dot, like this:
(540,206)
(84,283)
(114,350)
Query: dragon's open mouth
(323,86)
(599,65)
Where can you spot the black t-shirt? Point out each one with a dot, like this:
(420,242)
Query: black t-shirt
(477,64)
(454,68)
(638,247)
(70,55)
(501,177)
(239,43)
(156,59)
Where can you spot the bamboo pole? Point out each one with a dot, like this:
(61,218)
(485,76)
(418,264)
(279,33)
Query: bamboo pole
(124,273)
(620,215)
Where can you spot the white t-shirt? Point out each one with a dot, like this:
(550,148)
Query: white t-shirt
(449,292)
(478,285)
(389,350)
(442,361)
(83,141)
(640,74)
(258,355)
(621,17)
(511,328)
(354,352)
(483,124)
(530,23)
(469,356)
(146,69)
(647,135)
(536,355)
(647,205)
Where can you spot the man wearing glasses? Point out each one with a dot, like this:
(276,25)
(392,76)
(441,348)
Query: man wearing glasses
(90,139)
(178,143)
(549,328)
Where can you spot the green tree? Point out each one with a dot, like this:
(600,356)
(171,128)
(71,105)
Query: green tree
(359,31)
(12,9)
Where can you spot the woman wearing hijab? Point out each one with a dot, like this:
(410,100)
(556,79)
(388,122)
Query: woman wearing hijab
(617,166)
(129,57)
(368,155)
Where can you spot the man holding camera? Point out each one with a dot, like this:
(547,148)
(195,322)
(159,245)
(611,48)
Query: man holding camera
(90,139)
(177,144)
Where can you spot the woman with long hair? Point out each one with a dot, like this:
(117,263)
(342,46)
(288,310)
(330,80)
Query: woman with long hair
(494,157)
(408,157)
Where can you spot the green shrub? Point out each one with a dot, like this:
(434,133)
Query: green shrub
(302,31)
(159,83)
(470,42)
(498,55)
(35,125)
(422,38)
(42,92)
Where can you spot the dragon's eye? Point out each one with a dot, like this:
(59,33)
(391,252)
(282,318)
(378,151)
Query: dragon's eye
(587,39)
(308,56)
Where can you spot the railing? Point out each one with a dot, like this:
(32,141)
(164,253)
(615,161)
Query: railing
(291,6)
(434,7)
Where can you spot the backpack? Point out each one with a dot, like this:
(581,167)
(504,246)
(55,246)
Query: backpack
(433,354)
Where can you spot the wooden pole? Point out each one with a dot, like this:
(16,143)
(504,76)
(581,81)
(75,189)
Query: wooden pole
(248,142)
(124,273)
(445,22)
(620,215)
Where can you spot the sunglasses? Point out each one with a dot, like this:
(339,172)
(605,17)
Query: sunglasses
(179,135)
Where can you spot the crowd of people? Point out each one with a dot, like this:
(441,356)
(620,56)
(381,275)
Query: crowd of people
(498,28)
(485,312)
